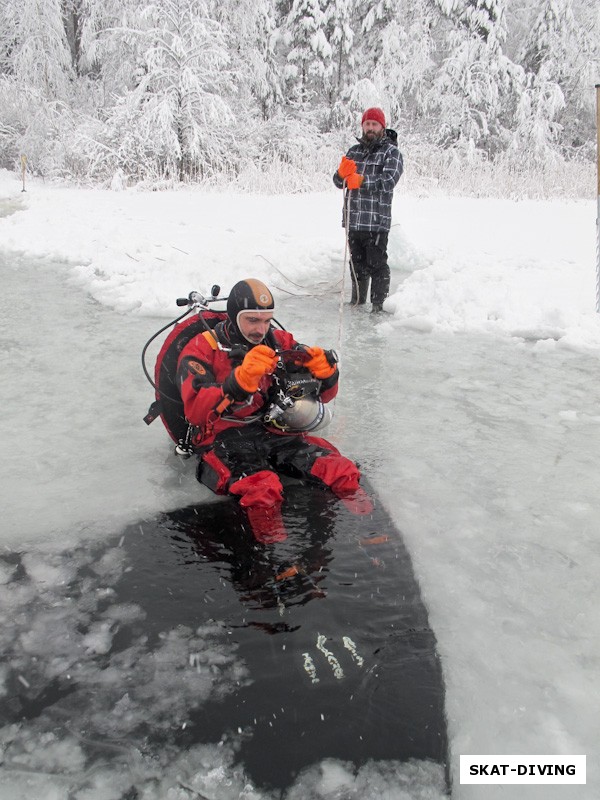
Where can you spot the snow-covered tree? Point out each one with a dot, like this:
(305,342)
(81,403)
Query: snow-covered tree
(338,22)
(375,16)
(73,13)
(552,39)
(37,79)
(251,29)
(536,132)
(477,86)
(112,43)
(8,36)
(266,83)
(309,66)
(581,95)
(545,56)
(339,19)
(155,87)
(406,62)
(41,58)
(177,111)
(552,55)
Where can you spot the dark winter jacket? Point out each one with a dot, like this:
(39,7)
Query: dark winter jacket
(381,165)
(208,400)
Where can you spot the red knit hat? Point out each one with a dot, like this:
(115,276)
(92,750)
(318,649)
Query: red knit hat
(375,114)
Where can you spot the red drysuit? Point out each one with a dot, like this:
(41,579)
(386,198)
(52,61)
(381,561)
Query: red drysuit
(241,455)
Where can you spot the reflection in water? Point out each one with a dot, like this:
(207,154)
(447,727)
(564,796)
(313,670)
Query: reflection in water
(281,575)
(352,671)
(150,657)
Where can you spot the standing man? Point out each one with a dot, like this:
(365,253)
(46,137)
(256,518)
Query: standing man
(370,170)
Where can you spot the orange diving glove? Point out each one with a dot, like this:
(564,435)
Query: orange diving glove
(259,361)
(346,167)
(354,181)
(320,365)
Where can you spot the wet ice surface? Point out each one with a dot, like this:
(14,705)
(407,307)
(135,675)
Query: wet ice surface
(74,694)
(484,450)
(77,455)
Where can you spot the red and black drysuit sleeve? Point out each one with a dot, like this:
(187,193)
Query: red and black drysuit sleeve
(202,374)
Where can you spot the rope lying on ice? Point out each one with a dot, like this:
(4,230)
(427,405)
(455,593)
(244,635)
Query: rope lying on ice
(308,291)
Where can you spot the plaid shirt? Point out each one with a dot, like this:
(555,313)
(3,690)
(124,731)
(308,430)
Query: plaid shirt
(381,165)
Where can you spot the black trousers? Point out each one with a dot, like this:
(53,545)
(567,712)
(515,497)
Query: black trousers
(238,453)
(251,448)
(370,260)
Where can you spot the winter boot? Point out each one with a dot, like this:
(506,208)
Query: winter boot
(377,308)
(359,298)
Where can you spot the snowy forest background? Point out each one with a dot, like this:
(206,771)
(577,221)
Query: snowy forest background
(488,96)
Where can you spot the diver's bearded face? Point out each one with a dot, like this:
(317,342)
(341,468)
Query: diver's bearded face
(254,325)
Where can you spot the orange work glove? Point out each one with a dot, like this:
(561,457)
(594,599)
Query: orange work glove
(346,167)
(319,365)
(354,181)
(259,361)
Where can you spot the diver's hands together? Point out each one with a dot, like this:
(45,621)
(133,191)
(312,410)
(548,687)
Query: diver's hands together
(322,363)
(261,360)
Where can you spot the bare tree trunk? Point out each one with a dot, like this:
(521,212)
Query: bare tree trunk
(72,23)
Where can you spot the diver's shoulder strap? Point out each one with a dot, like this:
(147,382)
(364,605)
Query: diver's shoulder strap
(211,339)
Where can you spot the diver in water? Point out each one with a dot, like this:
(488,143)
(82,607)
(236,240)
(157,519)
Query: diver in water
(228,378)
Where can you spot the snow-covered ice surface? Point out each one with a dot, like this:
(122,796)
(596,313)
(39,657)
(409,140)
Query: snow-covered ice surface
(473,407)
